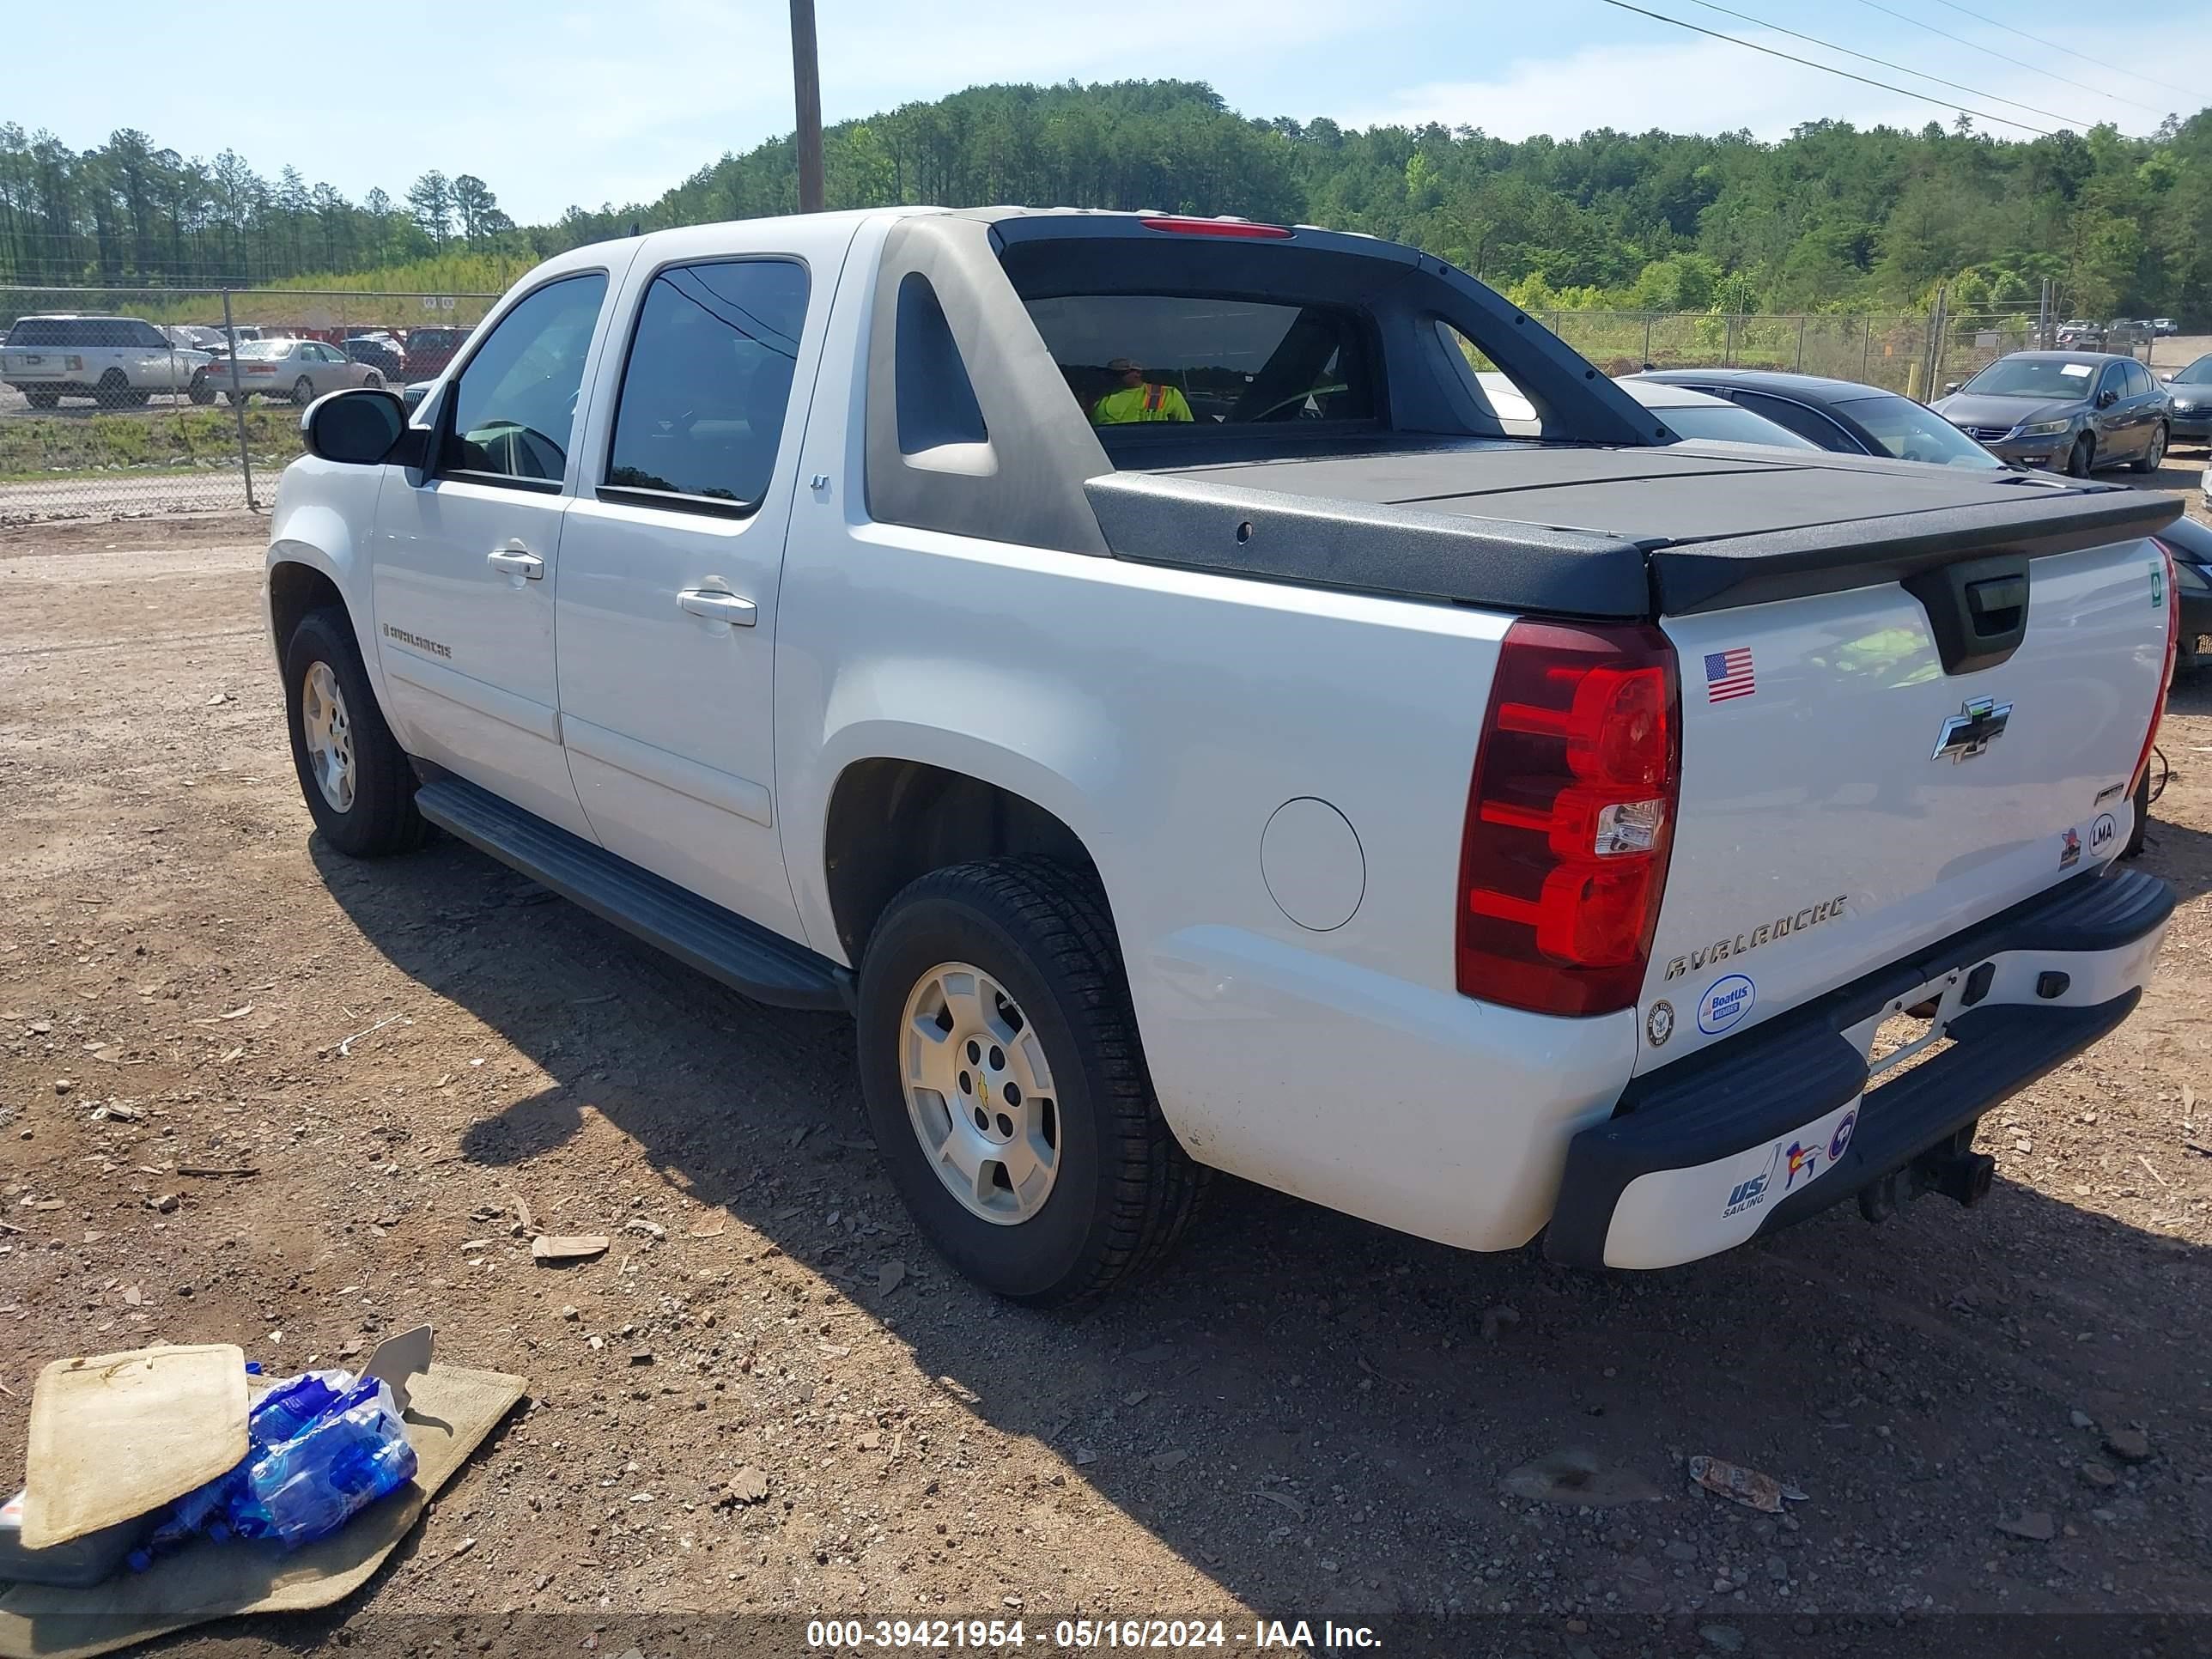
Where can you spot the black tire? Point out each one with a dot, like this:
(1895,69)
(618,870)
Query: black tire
(381,817)
(303,392)
(2142,802)
(43,399)
(200,391)
(1125,1188)
(2154,458)
(2081,456)
(236,398)
(113,391)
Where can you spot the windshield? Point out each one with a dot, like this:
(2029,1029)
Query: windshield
(1913,433)
(2197,373)
(1726,423)
(2034,377)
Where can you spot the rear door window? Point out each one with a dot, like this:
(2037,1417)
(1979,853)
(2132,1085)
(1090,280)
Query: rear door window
(708,381)
(1199,360)
(1800,418)
(515,409)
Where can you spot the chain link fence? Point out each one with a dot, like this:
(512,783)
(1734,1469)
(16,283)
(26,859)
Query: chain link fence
(126,402)
(1887,350)
(119,403)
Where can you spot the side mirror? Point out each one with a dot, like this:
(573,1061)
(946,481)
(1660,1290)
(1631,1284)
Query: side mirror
(2107,397)
(1950,386)
(359,427)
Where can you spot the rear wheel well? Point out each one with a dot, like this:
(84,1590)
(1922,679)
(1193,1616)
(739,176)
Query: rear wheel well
(293,591)
(892,822)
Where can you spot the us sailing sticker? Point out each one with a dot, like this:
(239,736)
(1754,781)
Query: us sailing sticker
(1725,1004)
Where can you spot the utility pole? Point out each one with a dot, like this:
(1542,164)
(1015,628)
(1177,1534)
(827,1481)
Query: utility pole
(807,96)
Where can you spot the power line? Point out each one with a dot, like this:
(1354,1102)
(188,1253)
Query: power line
(1956,86)
(2022,63)
(1920,97)
(2150,80)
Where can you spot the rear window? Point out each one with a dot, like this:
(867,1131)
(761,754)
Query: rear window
(1912,432)
(1194,360)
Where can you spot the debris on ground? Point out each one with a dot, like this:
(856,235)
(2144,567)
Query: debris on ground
(573,1247)
(2035,1525)
(1739,1485)
(1495,1318)
(889,1277)
(1578,1477)
(2129,1445)
(710,1225)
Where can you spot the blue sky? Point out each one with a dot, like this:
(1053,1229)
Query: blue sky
(554,103)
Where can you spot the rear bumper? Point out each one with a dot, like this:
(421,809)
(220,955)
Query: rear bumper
(1757,1133)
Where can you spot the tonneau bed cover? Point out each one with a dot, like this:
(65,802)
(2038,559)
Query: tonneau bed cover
(1626,533)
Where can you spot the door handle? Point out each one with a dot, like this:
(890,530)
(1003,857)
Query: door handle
(717,605)
(516,560)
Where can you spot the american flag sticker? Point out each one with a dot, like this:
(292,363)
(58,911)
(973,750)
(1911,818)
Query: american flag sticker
(1728,674)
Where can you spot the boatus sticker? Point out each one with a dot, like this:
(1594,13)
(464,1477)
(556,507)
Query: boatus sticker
(1725,1004)
(1723,950)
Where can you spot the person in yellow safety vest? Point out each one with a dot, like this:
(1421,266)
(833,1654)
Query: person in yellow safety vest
(1138,399)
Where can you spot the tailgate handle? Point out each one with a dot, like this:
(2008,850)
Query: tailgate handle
(1977,609)
(1995,606)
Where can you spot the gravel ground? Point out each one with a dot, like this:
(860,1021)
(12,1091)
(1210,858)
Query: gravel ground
(768,1397)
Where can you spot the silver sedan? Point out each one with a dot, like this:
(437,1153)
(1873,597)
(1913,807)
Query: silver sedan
(302,370)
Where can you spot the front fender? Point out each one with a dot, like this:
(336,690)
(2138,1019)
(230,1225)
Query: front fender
(322,519)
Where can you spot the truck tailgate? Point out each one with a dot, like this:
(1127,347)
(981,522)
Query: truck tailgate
(1845,799)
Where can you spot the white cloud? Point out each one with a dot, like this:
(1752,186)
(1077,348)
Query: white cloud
(1714,86)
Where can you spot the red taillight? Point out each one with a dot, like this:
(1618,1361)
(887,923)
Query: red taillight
(1570,817)
(1243,228)
(2166,674)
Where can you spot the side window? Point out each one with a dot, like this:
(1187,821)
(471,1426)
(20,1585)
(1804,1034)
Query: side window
(515,409)
(1805,422)
(2138,380)
(2114,379)
(146,334)
(707,382)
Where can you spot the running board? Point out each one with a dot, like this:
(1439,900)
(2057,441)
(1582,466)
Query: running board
(720,943)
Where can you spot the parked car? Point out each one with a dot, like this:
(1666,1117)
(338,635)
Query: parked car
(2189,391)
(2191,544)
(2166,326)
(379,352)
(429,350)
(1839,416)
(2082,333)
(302,370)
(1485,836)
(2125,332)
(2079,410)
(1692,414)
(117,361)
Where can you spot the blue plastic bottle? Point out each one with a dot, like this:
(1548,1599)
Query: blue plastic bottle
(308,1487)
(289,1406)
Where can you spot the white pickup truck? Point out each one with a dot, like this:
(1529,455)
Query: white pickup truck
(1125,661)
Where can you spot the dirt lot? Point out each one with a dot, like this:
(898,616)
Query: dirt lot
(1307,1417)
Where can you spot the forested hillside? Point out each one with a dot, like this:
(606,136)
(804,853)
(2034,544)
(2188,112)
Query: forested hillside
(1832,218)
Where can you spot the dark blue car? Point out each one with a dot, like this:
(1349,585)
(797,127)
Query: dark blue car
(1841,416)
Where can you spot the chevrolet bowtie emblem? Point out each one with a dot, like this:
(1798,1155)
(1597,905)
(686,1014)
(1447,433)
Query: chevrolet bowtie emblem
(1977,724)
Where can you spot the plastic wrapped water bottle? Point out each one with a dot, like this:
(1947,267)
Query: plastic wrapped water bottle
(287,1408)
(308,1487)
